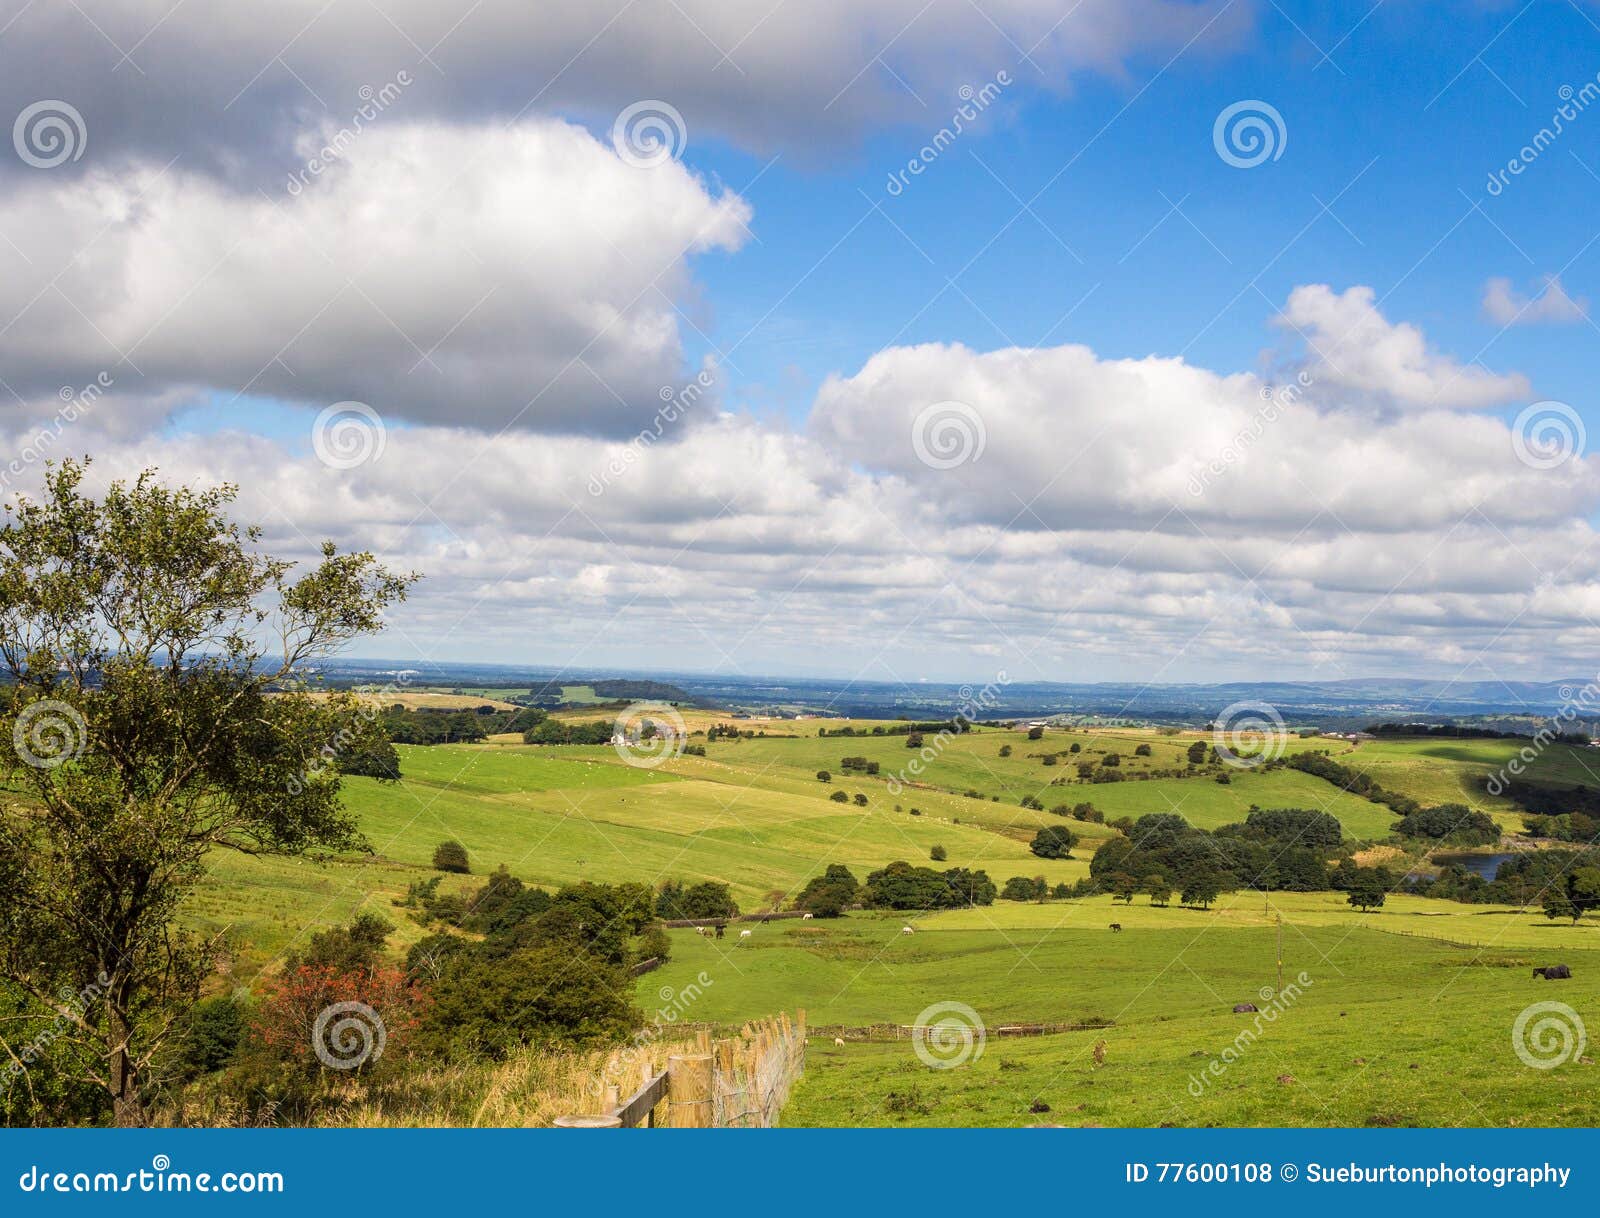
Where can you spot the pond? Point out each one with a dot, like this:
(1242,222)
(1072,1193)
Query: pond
(1479,864)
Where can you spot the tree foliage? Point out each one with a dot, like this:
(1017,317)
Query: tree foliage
(157,660)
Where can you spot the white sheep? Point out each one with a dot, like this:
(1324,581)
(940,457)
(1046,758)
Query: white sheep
(744,934)
(906,930)
(839,1041)
(805,917)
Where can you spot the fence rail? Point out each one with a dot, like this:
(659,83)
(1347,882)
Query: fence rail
(906,1031)
(738,1081)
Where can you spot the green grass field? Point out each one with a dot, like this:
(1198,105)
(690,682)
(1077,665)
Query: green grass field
(1393,1028)
(1407,1019)
(1436,771)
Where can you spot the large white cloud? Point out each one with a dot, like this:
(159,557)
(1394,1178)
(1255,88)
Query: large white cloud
(1092,538)
(496,276)
(230,89)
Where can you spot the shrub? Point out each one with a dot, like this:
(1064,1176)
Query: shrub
(451,856)
(938,854)
(824,776)
(839,797)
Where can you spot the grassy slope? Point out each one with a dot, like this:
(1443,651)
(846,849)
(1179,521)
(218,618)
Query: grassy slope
(1169,981)
(1436,771)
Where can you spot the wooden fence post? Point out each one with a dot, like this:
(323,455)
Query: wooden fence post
(689,1091)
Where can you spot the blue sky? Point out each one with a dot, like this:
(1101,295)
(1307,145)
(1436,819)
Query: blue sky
(1400,124)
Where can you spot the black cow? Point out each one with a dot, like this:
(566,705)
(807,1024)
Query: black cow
(1116,926)
(1554,972)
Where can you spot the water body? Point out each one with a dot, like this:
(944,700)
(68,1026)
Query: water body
(1479,864)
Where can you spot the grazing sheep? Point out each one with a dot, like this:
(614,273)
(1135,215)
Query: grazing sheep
(704,931)
(805,917)
(744,934)
(838,1041)
(1245,1008)
(1554,972)
(906,930)
(1116,926)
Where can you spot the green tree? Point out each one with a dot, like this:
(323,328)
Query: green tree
(1197,753)
(1367,890)
(1202,888)
(1159,889)
(1053,842)
(938,854)
(826,895)
(156,663)
(1557,904)
(451,856)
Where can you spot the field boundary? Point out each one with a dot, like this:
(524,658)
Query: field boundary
(737,1082)
(909,1031)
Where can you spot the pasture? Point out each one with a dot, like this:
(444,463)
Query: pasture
(1407,1018)
(1392,1029)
